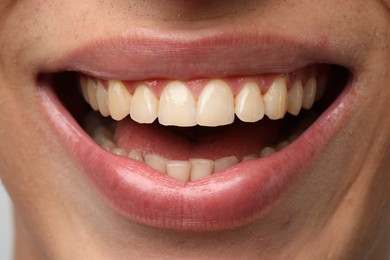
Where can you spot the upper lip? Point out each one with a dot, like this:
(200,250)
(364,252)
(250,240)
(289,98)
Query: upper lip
(187,55)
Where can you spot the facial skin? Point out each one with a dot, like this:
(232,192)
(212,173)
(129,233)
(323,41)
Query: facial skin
(339,211)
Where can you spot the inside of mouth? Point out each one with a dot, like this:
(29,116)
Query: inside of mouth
(194,152)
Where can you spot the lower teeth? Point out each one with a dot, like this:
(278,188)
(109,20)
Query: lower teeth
(183,170)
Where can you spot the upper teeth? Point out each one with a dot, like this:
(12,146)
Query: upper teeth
(217,104)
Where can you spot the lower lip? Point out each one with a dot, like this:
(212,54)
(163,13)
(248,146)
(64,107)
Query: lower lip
(225,200)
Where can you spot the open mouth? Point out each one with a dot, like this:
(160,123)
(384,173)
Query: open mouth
(192,129)
(196,144)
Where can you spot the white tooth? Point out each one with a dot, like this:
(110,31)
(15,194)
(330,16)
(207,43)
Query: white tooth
(201,168)
(119,151)
(275,100)
(156,162)
(144,106)
(119,100)
(224,163)
(102,99)
(91,86)
(267,151)
(321,85)
(215,104)
(179,170)
(249,103)
(309,93)
(136,155)
(295,97)
(84,88)
(282,145)
(249,157)
(177,105)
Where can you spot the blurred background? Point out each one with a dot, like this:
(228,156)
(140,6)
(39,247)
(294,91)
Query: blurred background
(6,229)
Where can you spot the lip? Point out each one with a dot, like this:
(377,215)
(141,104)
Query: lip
(226,200)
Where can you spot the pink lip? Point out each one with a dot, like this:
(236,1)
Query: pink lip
(225,200)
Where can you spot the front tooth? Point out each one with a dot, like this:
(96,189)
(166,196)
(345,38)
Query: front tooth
(249,103)
(156,162)
(215,104)
(119,100)
(177,105)
(179,170)
(144,106)
(309,93)
(276,99)
(201,168)
(91,89)
(224,163)
(102,99)
(295,97)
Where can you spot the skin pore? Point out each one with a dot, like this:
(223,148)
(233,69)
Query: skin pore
(338,210)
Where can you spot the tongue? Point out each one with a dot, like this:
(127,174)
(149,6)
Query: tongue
(239,139)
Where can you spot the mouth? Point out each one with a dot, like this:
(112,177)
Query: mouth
(204,153)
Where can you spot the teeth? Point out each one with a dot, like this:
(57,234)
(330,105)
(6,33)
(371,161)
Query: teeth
(309,93)
(249,103)
(295,98)
(136,155)
(177,105)
(102,99)
(118,100)
(144,106)
(156,162)
(179,170)
(201,168)
(267,151)
(276,99)
(91,92)
(189,170)
(224,163)
(215,104)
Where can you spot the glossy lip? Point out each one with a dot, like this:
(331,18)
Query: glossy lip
(225,200)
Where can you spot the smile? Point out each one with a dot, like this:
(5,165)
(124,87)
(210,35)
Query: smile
(210,150)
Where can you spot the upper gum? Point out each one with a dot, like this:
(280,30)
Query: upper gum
(264,81)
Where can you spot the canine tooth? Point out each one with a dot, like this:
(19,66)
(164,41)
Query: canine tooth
(201,168)
(119,100)
(91,86)
(275,100)
(102,99)
(136,155)
(177,105)
(144,106)
(295,97)
(267,151)
(224,163)
(179,170)
(249,157)
(156,162)
(119,151)
(309,93)
(249,103)
(215,104)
